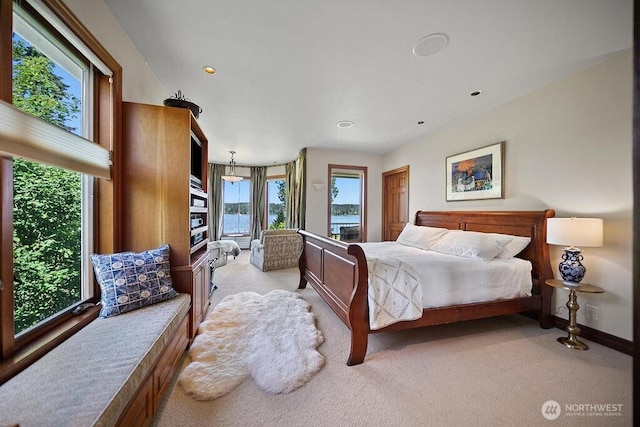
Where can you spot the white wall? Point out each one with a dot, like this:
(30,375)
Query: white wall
(139,84)
(318,161)
(568,147)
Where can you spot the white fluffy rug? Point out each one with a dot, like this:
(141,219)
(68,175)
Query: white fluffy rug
(271,337)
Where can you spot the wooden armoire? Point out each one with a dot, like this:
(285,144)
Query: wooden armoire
(164,188)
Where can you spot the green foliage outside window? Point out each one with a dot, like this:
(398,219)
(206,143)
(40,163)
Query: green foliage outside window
(37,90)
(334,189)
(345,209)
(241,208)
(47,225)
(46,241)
(279,221)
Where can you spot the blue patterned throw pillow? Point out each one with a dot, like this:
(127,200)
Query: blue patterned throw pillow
(130,280)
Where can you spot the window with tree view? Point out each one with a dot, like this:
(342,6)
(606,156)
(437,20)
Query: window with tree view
(276,199)
(51,212)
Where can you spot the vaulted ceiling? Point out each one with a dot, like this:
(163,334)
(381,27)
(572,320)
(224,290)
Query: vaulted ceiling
(288,71)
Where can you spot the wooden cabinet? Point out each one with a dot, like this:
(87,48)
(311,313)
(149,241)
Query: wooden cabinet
(140,410)
(164,194)
(201,276)
(169,363)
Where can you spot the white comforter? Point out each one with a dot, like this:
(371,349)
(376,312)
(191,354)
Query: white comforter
(395,291)
(395,271)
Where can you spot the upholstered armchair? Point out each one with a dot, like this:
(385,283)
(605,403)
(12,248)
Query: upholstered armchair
(276,249)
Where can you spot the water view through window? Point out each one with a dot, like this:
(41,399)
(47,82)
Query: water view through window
(236,201)
(346,197)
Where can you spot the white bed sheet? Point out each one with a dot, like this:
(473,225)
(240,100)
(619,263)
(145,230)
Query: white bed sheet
(449,279)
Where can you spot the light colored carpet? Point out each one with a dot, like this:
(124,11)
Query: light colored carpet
(272,338)
(490,372)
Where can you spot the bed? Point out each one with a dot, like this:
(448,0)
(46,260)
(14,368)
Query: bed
(339,274)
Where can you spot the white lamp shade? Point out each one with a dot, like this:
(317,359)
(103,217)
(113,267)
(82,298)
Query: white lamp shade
(585,232)
(232,178)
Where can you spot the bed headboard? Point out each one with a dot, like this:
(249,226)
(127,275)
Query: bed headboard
(531,224)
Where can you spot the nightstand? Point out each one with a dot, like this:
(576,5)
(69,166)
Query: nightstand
(571,340)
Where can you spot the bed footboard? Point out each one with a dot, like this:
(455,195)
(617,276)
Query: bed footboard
(338,272)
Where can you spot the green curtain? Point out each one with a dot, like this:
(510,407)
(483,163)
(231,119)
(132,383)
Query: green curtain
(215,200)
(258,184)
(290,190)
(296,188)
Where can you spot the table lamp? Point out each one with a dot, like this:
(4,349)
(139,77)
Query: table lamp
(572,232)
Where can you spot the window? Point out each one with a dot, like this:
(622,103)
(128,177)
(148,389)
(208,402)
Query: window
(52,213)
(48,168)
(236,201)
(276,199)
(347,203)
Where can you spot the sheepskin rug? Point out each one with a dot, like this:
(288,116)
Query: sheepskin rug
(271,337)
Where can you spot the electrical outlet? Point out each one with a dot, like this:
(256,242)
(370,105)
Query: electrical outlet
(591,312)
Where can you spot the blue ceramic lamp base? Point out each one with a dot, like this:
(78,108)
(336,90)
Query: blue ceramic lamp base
(571,270)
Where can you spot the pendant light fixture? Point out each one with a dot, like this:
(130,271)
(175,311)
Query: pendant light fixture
(231,176)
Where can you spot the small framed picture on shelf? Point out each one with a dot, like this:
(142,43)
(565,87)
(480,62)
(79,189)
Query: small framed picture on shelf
(476,174)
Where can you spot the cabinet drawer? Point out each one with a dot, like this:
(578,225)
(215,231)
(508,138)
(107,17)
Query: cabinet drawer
(168,363)
(139,411)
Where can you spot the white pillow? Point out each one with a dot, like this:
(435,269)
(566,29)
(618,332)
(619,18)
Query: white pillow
(420,237)
(513,248)
(471,244)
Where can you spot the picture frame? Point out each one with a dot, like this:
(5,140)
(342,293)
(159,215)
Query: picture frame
(476,174)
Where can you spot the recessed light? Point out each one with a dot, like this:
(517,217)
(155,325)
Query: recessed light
(476,93)
(344,124)
(431,44)
(209,69)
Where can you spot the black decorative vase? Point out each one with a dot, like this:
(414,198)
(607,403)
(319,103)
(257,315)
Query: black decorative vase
(179,101)
(571,270)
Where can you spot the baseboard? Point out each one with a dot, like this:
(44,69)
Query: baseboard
(607,340)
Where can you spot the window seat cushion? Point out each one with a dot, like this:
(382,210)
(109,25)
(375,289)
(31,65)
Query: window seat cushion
(90,378)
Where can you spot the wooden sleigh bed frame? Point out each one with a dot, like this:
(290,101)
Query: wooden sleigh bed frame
(338,272)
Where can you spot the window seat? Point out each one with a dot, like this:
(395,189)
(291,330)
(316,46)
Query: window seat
(112,372)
